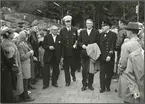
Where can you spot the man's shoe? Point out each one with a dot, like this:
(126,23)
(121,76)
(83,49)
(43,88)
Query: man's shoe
(45,86)
(31,87)
(55,85)
(67,84)
(74,79)
(108,89)
(29,99)
(102,90)
(91,88)
(83,88)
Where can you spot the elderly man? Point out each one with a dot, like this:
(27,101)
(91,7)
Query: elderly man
(69,42)
(128,47)
(135,73)
(87,36)
(52,55)
(33,40)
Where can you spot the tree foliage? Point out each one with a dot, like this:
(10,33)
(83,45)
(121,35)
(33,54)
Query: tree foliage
(80,10)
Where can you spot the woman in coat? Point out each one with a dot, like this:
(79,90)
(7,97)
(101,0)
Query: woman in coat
(25,54)
(12,52)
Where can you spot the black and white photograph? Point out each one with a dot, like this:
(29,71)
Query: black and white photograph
(72,51)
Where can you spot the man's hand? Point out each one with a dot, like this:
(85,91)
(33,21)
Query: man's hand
(84,46)
(35,59)
(74,46)
(108,58)
(136,95)
(32,52)
(51,47)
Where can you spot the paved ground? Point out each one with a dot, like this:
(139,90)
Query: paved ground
(73,94)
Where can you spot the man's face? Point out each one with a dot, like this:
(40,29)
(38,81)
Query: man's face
(120,24)
(105,28)
(54,30)
(89,24)
(68,23)
(129,33)
(11,36)
(35,28)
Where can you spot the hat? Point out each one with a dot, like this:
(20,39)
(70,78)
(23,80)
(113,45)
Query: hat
(66,18)
(107,22)
(133,26)
(7,30)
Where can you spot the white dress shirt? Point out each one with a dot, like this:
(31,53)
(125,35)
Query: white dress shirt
(89,31)
(68,28)
(54,37)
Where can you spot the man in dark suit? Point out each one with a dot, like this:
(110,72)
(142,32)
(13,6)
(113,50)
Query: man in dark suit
(33,40)
(87,36)
(107,47)
(52,55)
(69,41)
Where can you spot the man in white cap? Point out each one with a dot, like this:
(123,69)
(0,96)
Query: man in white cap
(69,43)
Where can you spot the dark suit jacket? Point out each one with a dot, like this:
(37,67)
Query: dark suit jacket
(107,45)
(48,41)
(33,40)
(69,38)
(85,39)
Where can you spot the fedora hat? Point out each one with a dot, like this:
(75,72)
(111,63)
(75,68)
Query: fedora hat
(133,26)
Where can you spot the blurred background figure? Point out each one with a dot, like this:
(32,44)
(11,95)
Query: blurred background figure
(13,56)
(25,54)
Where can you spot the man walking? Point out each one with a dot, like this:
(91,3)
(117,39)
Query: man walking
(107,47)
(87,36)
(52,55)
(69,42)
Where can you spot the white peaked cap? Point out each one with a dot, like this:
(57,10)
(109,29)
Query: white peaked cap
(67,17)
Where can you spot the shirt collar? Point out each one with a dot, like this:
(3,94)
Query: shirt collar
(54,35)
(89,29)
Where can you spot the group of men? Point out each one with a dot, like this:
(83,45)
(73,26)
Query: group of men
(63,48)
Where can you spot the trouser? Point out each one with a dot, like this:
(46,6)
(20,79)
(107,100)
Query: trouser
(78,64)
(55,72)
(69,62)
(37,69)
(118,58)
(106,72)
(86,76)
(25,93)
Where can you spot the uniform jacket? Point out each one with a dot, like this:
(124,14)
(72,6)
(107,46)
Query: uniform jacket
(86,39)
(48,41)
(107,45)
(69,38)
(135,77)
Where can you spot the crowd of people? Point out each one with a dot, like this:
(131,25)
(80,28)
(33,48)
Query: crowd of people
(30,53)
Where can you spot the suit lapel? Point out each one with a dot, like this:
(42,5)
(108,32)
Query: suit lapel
(52,38)
(91,33)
